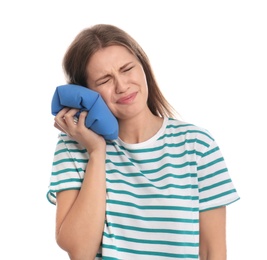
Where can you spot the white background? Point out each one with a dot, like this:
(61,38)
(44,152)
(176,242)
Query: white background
(210,60)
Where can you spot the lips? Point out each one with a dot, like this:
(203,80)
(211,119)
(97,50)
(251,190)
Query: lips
(127,99)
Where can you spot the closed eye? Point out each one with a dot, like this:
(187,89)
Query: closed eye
(103,82)
(128,69)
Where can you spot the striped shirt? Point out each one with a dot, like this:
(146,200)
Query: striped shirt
(155,190)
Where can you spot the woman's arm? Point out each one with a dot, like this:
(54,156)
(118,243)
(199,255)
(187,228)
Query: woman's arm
(81,214)
(213,234)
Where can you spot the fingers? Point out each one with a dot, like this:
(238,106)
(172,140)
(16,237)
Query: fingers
(82,117)
(60,117)
(59,128)
(68,117)
(64,119)
(75,120)
(67,122)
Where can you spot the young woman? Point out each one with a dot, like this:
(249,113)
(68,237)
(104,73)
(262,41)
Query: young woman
(159,191)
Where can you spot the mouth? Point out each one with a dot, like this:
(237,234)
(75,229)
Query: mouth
(127,99)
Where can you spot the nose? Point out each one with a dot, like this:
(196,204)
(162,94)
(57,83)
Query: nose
(120,85)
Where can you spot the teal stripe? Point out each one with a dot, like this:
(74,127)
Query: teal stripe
(221,205)
(166,155)
(215,185)
(185,133)
(175,166)
(52,194)
(165,176)
(115,153)
(61,151)
(210,164)
(70,160)
(70,142)
(66,181)
(218,196)
(148,150)
(130,174)
(49,193)
(154,230)
(152,253)
(213,174)
(70,151)
(67,141)
(119,163)
(177,126)
(175,176)
(68,170)
(216,149)
(60,142)
(204,132)
(112,143)
(159,219)
(151,196)
(141,185)
(150,207)
(152,242)
(64,189)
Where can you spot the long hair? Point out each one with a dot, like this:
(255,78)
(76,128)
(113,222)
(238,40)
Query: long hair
(99,36)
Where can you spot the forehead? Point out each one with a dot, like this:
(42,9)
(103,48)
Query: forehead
(109,57)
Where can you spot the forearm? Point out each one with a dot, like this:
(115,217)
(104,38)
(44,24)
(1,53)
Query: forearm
(213,234)
(213,251)
(81,231)
(213,255)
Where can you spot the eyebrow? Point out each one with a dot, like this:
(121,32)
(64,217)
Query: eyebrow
(125,65)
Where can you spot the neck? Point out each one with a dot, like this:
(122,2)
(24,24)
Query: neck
(140,128)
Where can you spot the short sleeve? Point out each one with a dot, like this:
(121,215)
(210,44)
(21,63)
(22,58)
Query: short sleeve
(68,167)
(216,188)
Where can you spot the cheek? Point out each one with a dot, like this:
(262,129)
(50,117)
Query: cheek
(106,95)
(142,79)
(144,85)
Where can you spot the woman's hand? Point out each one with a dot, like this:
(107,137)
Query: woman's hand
(65,122)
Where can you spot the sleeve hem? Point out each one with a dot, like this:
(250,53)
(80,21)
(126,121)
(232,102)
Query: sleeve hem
(51,194)
(210,207)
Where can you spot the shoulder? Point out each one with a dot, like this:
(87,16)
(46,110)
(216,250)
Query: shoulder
(187,129)
(67,141)
(69,147)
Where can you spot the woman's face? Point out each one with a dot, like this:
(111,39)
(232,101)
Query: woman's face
(116,74)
